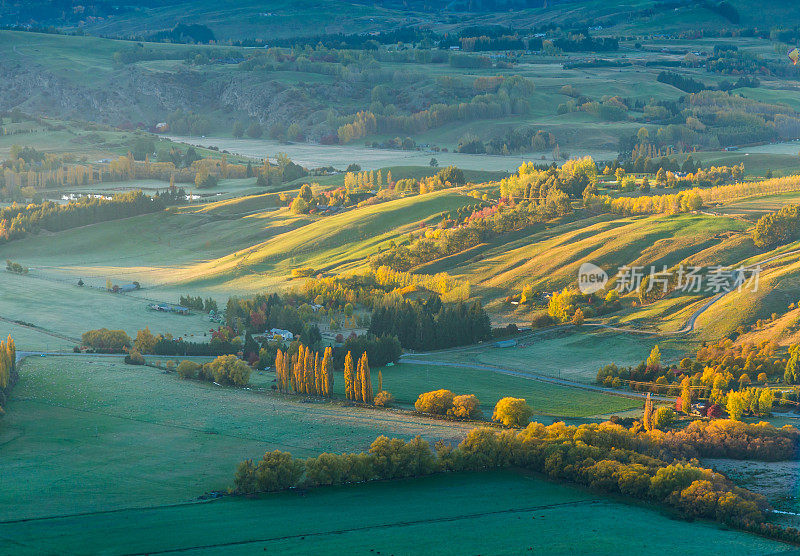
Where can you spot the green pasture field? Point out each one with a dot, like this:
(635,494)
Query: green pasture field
(225,189)
(578,355)
(154,249)
(334,243)
(70,310)
(406,381)
(340,156)
(90,434)
(486,513)
(228,247)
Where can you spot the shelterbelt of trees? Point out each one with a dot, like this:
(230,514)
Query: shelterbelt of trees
(17,221)
(28,172)
(693,199)
(604,456)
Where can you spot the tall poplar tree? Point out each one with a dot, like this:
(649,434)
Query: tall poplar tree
(348,376)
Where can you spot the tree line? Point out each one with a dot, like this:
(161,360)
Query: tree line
(431,324)
(601,456)
(17,221)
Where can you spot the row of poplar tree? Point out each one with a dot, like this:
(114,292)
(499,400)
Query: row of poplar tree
(358,385)
(306,373)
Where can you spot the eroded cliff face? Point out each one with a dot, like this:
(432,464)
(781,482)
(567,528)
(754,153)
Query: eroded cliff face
(133,95)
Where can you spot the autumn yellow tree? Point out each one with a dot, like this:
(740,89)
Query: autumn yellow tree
(366,381)
(349,381)
(647,418)
(327,372)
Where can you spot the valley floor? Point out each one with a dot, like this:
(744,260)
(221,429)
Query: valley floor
(483,513)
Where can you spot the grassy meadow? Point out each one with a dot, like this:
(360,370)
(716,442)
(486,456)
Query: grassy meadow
(78,426)
(70,310)
(493,513)
(406,381)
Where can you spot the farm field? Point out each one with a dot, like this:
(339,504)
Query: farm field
(340,156)
(551,258)
(406,381)
(70,310)
(76,427)
(432,184)
(234,246)
(495,513)
(574,355)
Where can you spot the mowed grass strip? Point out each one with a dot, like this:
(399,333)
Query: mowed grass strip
(476,513)
(92,434)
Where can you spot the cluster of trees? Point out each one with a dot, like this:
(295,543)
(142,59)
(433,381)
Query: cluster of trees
(726,438)
(685,201)
(15,267)
(756,401)
(484,225)
(8,368)
(358,384)
(721,373)
(570,305)
(431,324)
(222,343)
(381,350)
(198,304)
(364,123)
(225,369)
(682,82)
(444,402)
(533,182)
(304,372)
(167,345)
(772,186)
(612,109)
(16,221)
(778,228)
(262,312)
(370,287)
(104,340)
(602,456)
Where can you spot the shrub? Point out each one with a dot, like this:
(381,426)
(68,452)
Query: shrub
(228,369)
(276,471)
(436,402)
(541,319)
(512,412)
(383,399)
(103,339)
(188,369)
(134,358)
(465,406)
(302,272)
